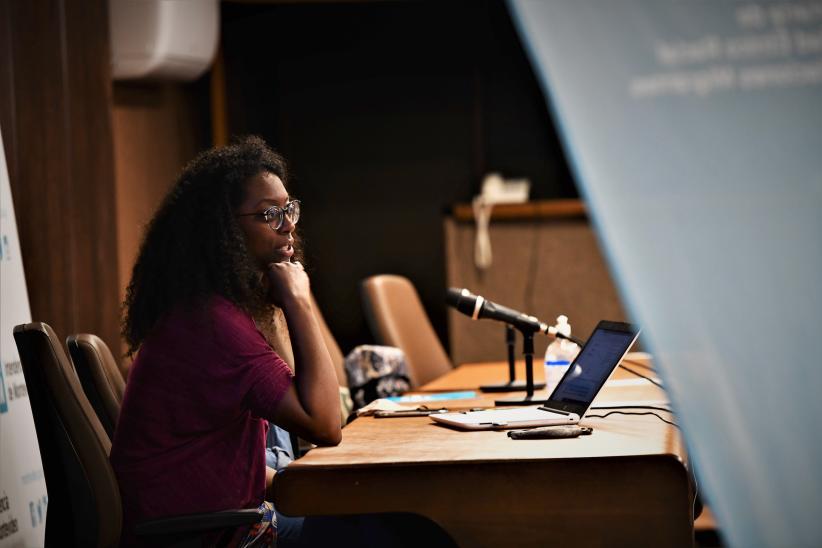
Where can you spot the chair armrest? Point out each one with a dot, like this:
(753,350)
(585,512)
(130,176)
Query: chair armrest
(197,523)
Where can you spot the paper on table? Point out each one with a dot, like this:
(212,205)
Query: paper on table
(382,404)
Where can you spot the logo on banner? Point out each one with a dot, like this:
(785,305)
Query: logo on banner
(4,406)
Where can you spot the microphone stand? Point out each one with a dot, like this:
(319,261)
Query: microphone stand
(510,341)
(513,385)
(528,350)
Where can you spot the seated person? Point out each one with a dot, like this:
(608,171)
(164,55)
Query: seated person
(214,279)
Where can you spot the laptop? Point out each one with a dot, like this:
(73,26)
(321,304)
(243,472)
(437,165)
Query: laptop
(572,397)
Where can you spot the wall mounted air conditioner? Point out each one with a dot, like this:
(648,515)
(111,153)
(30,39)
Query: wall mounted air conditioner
(162,39)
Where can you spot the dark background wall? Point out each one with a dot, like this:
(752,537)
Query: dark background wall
(389,113)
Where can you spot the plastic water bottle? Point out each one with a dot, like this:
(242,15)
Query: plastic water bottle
(559,355)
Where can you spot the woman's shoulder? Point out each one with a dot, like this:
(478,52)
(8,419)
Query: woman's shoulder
(221,308)
(209,319)
(232,325)
(206,312)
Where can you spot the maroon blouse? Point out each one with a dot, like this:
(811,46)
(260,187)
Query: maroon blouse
(192,427)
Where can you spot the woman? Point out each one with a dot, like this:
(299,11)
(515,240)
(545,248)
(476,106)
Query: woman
(214,281)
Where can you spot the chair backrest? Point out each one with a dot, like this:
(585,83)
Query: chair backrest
(331,344)
(84,498)
(102,381)
(396,317)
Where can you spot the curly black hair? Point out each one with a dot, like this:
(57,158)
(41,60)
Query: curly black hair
(193,248)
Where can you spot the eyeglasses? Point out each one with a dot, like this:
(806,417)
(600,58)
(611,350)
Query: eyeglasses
(275,216)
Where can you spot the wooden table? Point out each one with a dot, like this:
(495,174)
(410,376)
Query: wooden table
(625,485)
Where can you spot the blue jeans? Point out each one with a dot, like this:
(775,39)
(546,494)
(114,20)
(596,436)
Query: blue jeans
(278,450)
(279,453)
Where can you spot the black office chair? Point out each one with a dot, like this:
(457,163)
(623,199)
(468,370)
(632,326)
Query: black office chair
(84,496)
(101,379)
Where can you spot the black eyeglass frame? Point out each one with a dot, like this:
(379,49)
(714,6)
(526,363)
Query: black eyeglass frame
(270,214)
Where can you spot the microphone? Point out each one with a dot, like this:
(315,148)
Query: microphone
(477,308)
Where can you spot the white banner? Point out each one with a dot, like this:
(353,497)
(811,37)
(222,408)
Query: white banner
(695,132)
(23,498)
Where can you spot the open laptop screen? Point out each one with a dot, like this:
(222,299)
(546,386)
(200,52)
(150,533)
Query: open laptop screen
(607,345)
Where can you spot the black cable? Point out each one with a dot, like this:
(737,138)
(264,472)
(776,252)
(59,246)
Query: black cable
(626,413)
(580,343)
(697,510)
(638,374)
(699,506)
(654,407)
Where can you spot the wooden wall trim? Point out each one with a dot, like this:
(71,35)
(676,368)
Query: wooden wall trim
(542,209)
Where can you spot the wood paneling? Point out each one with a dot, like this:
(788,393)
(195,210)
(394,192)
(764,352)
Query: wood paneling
(158,128)
(540,209)
(56,116)
(545,265)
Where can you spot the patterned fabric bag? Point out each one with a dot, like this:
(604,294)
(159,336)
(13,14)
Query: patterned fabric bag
(264,533)
(376,372)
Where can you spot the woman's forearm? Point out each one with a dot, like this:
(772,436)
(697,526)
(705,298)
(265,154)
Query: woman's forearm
(315,379)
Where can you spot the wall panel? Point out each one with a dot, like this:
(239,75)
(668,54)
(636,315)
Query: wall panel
(158,128)
(543,264)
(56,112)
(389,113)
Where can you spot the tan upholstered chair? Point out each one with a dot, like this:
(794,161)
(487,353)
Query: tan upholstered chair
(282,345)
(101,379)
(331,344)
(83,492)
(396,317)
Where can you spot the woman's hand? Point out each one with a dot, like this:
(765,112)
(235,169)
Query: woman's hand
(287,282)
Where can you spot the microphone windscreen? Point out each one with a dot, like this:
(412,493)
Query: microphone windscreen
(453,296)
(461,299)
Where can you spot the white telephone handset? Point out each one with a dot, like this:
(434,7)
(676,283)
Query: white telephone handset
(495,190)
